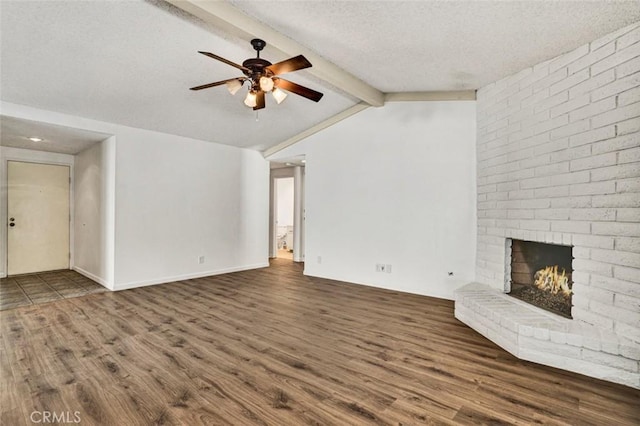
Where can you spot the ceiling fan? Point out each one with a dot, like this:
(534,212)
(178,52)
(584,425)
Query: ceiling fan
(262,76)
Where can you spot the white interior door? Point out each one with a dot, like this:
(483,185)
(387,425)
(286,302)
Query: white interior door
(38,217)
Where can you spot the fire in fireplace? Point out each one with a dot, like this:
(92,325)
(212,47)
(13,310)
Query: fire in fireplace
(541,275)
(548,279)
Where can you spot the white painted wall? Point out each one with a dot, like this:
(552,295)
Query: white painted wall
(172,199)
(393,185)
(31,156)
(92,228)
(284,191)
(179,199)
(253,239)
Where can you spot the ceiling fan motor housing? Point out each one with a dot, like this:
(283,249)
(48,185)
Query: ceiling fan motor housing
(256,67)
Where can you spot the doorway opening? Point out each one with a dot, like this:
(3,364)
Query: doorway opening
(284,217)
(286,210)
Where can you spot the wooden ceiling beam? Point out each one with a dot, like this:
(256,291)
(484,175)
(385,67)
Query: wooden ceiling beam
(230,19)
(459,95)
(315,129)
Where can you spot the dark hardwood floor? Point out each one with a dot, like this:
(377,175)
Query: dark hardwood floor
(272,347)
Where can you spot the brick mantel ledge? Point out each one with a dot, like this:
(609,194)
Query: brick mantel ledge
(535,335)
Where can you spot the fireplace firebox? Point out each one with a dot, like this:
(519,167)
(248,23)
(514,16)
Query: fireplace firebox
(541,275)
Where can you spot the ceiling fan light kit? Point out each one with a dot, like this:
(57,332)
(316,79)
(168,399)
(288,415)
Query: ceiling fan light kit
(250,100)
(233,86)
(278,95)
(266,84)
(262,76)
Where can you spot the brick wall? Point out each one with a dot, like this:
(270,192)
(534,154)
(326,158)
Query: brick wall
(559,162)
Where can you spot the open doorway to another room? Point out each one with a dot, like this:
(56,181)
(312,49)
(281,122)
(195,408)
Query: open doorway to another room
(286,212)
(284,217)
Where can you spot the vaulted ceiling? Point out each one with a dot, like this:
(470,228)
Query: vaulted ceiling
(132,62)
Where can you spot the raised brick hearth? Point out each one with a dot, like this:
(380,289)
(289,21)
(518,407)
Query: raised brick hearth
(558,149)
(536,335)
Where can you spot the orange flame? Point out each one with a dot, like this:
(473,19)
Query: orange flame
(549,279)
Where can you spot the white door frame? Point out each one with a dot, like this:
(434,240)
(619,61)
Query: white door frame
(298,214)
(298,232)
(37,157)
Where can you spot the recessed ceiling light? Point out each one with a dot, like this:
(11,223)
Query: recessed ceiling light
(34,139)
(303,161)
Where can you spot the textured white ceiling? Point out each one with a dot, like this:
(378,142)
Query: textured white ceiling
(132,62)
(15,133)
(400,46)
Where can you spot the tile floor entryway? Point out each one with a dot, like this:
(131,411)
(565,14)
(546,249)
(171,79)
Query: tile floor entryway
(32,289)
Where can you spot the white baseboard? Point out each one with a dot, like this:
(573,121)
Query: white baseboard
(448,295)
(93,277)
(3,275)
(136,284)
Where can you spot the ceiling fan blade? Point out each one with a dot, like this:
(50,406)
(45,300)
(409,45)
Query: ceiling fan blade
(292,64)
(226,61)
(292,87)
(260,102)
(217,83)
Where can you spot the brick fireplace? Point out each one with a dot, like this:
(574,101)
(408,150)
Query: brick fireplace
(558,162)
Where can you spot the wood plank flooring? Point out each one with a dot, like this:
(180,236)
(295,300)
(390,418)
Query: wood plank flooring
(43,287)
(272,347)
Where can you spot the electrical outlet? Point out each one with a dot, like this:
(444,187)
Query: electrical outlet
(387,268)
(201,260)
(380,267)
